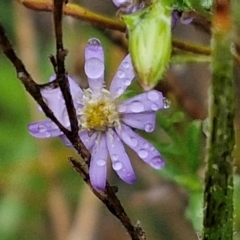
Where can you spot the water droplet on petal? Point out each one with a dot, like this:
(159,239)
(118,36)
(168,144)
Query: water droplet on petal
(47,134)
(122,108)
(117,166)
(126,64)
(127,81)
(93,41)
(42,128)
(166,103)
(153,96)
(148,127)
(156,162)
(143,153)
(154,107)
(120,74)
(137,106)
(130,141)
(94,68)
(119,91)
(101,162)
(114,157)
(133,142)
(146,145)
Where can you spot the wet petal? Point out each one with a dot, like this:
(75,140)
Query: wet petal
(145,150)
(145,102)
(65,140)
(88,139)
(120,160)
(144,121)
(94,64)
(118,3)
(75,89)
(123,78)
(44,129)
(55,101)
(98,164)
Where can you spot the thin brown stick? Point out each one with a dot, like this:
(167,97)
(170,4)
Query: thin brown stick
(76,11)
(61,73)
(108,197)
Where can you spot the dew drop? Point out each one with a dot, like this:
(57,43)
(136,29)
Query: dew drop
(42,128)
(153,96)
(119,91)
(94,41)
(120,74)
(148,127)
(154,107)
(48,134)
(146,145)
(137,107)
(117,166)
(130,141)
(125,65)
(157,162)
(122,108)
(133,142)
(166,103)
(101,162)
(94,68)
(114,157)
(142,153)
(127,81)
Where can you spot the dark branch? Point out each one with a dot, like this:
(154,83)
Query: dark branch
(61,73)
(108,197)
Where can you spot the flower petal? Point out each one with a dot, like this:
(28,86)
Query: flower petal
(123,78)
(55,101)
(98,164)
(65,140)
(94,64)
(118,3)
(145,150)
(75,89)
(144,121)
(145,102)
(88,139)
(120,160)
(44,129)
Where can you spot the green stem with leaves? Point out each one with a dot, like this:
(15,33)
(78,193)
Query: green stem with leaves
(218,194)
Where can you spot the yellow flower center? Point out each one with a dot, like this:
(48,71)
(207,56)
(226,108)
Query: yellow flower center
(99,111)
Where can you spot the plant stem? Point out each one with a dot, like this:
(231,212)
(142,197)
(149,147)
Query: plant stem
(218,194)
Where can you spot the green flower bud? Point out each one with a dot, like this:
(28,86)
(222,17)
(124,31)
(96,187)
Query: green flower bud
(150,42)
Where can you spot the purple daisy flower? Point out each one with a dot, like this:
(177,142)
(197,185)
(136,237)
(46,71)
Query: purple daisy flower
(105,122)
